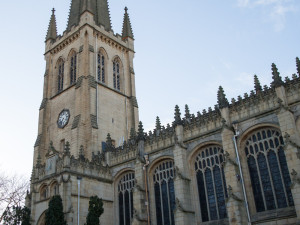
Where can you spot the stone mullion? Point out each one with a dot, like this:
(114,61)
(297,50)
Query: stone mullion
(271,178)
(260,182)
(236,209)
(216,197)
(206,196)
(281,175)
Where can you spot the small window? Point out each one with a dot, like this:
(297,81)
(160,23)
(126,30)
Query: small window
(101,67)
(116,75)
(60,76)
(73,68)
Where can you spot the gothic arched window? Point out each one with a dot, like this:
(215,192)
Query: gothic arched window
(211,183)
(44,192)
(54,189)
(164,192)
(73,68)
(116,74)
(125,196)
(101,67)
(60,76)
(268,170)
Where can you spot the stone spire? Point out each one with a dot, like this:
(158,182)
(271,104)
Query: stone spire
(127,29)
(222,100)
(277,81)
(298,65)
(257,85)
(52,31)
(99,8)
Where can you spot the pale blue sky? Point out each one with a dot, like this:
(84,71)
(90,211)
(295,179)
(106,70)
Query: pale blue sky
(184,51)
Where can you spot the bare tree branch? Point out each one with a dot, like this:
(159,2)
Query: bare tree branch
(13,191)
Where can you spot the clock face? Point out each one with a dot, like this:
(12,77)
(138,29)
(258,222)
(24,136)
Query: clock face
(63,118)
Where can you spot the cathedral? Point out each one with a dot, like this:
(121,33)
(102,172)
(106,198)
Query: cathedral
(235,163)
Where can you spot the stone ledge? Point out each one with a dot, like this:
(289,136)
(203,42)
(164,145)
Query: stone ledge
(275,214)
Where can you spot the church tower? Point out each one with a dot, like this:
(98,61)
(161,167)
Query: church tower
(89,83)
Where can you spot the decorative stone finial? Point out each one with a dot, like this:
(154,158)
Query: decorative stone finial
(257,85)
(187,114)
(108,141)
(141,135)
(157,125)
(177,117)
(277,81)
(222,100)
(298,65)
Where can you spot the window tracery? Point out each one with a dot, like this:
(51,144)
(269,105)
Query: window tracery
(209,168)
(116,74)
(101,67)
(268,170)
(164,192)
(60,78)
(73,68)
(125,197)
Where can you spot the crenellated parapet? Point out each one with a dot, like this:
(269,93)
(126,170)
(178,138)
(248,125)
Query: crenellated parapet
(58,163)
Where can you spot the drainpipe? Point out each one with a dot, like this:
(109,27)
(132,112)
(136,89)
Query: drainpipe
(78,180)
(237,133)
(146,186)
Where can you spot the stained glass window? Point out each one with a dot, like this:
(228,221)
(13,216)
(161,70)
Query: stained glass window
(211,183)
(60,78)
(116,75)
(268,170)
(125,196)
(73,68)
(164,192)
(101,67)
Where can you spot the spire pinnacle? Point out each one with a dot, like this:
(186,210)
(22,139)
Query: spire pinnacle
(177,118)
(52,31)
(277,81)
(257,85)
(127,29)
(158,124)
(141,131)
(222,100)
(298,65)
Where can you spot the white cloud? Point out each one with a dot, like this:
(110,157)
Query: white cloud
(243,3)
(276,10)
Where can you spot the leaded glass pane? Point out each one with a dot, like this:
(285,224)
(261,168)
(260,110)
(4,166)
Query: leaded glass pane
(164,193)
(125,188)
(269,174)
(211,183)
(101,68)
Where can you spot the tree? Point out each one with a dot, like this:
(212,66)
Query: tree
(95,211)
(16,215)
(54,213)
(13,190)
